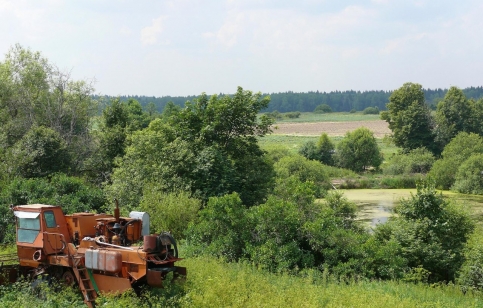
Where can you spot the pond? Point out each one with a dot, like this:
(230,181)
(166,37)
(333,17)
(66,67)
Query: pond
(376,205)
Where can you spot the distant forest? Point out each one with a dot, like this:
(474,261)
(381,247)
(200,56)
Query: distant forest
(306,102)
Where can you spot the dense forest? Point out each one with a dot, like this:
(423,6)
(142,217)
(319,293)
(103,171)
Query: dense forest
(307,102)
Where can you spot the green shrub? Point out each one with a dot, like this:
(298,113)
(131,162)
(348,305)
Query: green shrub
(469,178)
(470,276)
(322,108)
(292,115)
(415,161)
(459,149)
(371,110)
(395,182)
(171,212)
(302,168)
(431,231)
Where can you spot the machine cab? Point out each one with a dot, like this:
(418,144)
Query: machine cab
(41,231)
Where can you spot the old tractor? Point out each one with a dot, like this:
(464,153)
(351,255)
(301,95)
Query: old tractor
(98,252)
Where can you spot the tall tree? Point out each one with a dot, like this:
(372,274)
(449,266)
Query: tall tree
(209,148)
(358,150)
(454,114)
(410,119)
(34,92)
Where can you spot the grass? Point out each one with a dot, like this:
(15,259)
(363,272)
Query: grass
(215,283)
(309,117)
(294,143)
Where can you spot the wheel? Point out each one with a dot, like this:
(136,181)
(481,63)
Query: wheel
(68,278)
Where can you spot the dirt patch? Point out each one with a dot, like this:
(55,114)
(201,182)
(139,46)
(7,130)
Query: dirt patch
(380,128)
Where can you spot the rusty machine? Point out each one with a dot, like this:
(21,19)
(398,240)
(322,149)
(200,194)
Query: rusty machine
(99,252)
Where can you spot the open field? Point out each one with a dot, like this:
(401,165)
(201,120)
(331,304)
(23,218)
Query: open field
(380,128)
(306,117)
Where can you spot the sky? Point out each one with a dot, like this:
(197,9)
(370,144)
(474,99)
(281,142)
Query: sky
(186,47)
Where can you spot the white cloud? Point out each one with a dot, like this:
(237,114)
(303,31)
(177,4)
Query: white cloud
(149,35)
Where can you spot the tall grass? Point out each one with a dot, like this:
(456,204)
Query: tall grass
(214,283)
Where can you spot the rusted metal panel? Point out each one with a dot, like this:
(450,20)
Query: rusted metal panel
(111,284)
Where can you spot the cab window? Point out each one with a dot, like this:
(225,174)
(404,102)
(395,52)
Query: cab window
(50,219)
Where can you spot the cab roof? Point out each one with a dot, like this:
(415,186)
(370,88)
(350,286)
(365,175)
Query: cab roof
(35,206)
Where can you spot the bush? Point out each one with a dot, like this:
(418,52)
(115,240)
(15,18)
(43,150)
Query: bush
(171,212)
(322,108)
(459,149)
(303,169)
(416,161)
(371,110)
(431,231)
(471,272)
(469,178)
(292,115)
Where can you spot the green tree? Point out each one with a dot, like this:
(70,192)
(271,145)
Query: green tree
(454,114)
(41,152)
(469,178)
(326,150)
(309,150)
(209,148)
(34,92)
(410,119)
(459,149)
(358,150)
(431,232)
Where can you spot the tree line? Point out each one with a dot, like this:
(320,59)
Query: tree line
(338,101)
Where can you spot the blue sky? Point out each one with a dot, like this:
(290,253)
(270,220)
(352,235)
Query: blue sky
(182,47)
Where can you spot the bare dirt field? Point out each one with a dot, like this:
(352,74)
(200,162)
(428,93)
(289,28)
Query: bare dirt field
(379,128)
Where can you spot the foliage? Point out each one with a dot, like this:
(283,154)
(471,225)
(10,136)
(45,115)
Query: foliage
(469,178)
(415,161)
(221,229)
(455,114)
(371,110)
(171,212)
(118,120)
(322,108)
(292,115)
(322,152)
(71,193)
(454,154)
(208,149)
(35,93)
(431,232)
(409,118)
(471,273)
(358,150)
(303,169)
(325,149)
(39,153)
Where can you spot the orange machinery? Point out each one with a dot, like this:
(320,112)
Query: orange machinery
(96,251)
